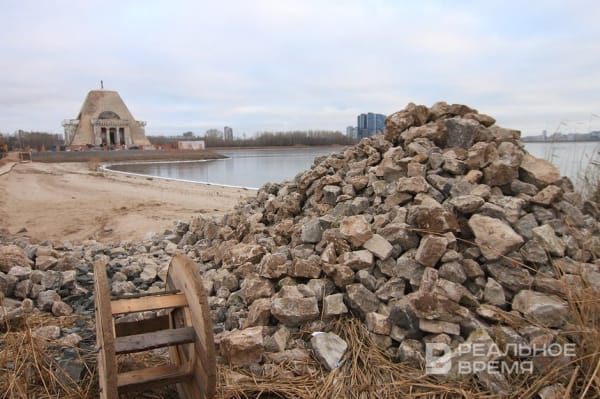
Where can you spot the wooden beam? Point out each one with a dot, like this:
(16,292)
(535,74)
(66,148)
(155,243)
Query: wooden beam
(143,304)
(153,340)
(142,326)
(144,379)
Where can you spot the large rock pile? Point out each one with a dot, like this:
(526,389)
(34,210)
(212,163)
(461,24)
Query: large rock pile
(445,230)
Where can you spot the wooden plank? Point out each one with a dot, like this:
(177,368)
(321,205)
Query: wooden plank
(153,340)
(184,275)
(144,379)
(143,304)
(107,361)
(143,326)
(143,294)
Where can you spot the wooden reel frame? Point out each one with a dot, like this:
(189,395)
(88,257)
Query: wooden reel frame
(186,330)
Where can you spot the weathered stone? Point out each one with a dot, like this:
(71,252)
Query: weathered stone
(45,262)
(225,279)
(46,299)
(278,341)
(411,351)
(434,219)
(391,289)
(494,293)
(378,323)
(357,260)
(438,327)
(242,253)
(306,268)
(547,196)
(52,280)
(467,203)
(329,349)
(525,225)
(453,271)
(431,250)
(273,266)
(361,300)
(330,194)
(379,246)
(254,287)
(49,333)
(294,311)
(548,240)
(59,308)
(243,347)
(333,305)
(548,310)
(461,132)
(20,272)
(312,231)
(494,237)
(356,229)
(22,289)
(412,185)
(534,252)
(119,288)
(10,256)
(340,274)
(519,187)
(514,278)
(538,172)
(258,313)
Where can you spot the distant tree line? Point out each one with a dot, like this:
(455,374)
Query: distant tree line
(214,138)
(36,141)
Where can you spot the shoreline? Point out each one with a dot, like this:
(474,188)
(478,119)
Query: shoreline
(71,202)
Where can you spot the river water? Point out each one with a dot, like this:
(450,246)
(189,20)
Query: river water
(254,167)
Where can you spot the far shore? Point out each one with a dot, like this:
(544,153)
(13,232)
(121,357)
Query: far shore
(74,202)
(124,155)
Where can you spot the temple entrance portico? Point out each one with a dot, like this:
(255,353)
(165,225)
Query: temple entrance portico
(111,132)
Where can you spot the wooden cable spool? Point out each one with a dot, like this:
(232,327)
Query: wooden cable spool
(186,330)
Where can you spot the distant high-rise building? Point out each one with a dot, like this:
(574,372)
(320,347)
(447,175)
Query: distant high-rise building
(370,124)
(351,132)
(228,134)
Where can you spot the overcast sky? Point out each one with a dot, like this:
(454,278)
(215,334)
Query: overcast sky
(282,65)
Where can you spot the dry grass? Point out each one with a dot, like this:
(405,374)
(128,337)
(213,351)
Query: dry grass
(28,365)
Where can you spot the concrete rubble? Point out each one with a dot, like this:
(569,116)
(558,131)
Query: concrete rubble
(443,230)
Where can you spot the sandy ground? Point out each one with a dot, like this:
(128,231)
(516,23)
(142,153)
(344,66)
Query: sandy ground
(68,201)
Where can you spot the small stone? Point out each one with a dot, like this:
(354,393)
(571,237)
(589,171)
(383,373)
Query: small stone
(379,246)
(312,231)
(292,311)
(494,237)
(538,171)
(45,262)
(548,310)
(356,229)
(259,313)
(548,240)
(46,299)
(378,323)
(494,293)
(357,260)
(59,308)
(333,305)
(329,349)
(361,300)
(47,332)
(467,203)
(438,327)
(243,347)
(431,250)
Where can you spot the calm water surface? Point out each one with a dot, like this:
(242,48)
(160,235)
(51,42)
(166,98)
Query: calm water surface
(243,168)
(253,168)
